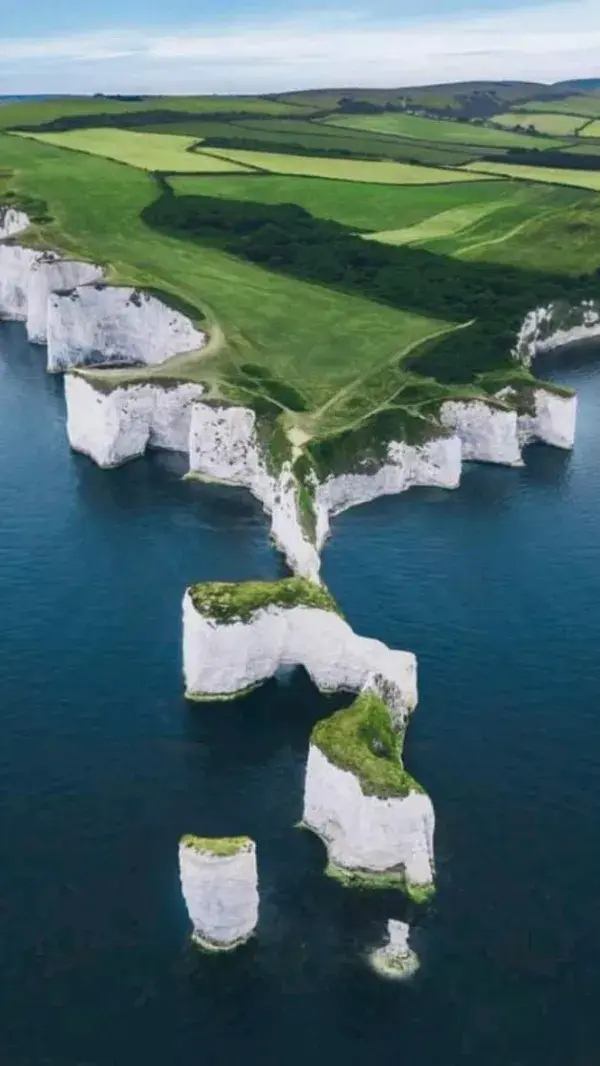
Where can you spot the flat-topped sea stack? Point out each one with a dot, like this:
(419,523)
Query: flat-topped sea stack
(219,881)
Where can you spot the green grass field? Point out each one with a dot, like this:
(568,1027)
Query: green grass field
(38,112)
(311,337)
(591,130)
(431,129)
(290,134)
(172,153)
(359,206)
(385,173)
(445,224)
(329,325)
(148,151)
(587,106)
(585,147)
(583,179)
(554,124)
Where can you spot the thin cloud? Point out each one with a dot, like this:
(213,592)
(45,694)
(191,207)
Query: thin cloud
(548,41)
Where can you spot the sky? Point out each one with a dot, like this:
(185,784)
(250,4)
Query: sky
(250,46)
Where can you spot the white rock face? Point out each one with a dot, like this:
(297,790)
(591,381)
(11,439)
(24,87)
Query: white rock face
(221,894)
(15,268)
(49,274)
(222,660)
(366,833)
(437,463)
(553,422)
(546,328)
(103,324)
(488,434)
(116,426)
(12,222)
(224,447)
(396,958)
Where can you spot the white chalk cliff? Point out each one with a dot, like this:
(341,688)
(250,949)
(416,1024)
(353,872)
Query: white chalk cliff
(436,463)
(368,834)
(12,221)
(225,659)
(15,268)
(487,432)
(224,447)
(109,324)
(50,274)
(116,426)
(220,891)
(556,326)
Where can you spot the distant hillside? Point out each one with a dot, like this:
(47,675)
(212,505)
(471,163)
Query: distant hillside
(475,99)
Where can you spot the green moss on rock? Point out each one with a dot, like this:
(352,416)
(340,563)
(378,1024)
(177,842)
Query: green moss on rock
(222,847)
(385,880)
(228,602)
(362,740)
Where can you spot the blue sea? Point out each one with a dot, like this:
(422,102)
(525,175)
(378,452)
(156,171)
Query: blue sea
(103,765)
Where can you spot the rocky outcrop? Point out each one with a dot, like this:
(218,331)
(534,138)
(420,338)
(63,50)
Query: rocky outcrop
(101,324)
(15,269)
(487,431)
(219,881)
(369,839)
(396,959)
(224,447)
(556,326)
(114,426)
(223,659)
(552,421)
(51,274)
(12,221)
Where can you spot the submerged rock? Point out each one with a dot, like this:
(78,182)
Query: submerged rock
(395,959)
(219,881)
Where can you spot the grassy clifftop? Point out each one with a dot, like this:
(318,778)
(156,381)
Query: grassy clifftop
(361,739)
(229,602)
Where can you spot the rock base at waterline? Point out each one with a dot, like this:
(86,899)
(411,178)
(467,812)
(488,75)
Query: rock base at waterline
(396,959)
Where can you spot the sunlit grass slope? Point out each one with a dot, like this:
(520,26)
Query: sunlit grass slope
(149,151)
(438,130)
(310,336)
(375,172)
(583,179)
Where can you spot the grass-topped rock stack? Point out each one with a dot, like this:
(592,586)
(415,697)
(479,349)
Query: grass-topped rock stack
(374,818)
(219,881)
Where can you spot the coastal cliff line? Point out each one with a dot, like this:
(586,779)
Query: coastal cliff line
(376,822)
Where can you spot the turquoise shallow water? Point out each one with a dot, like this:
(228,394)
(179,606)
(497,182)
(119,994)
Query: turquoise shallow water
(103,765)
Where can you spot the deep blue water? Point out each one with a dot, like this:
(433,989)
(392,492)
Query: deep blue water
(103,765)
